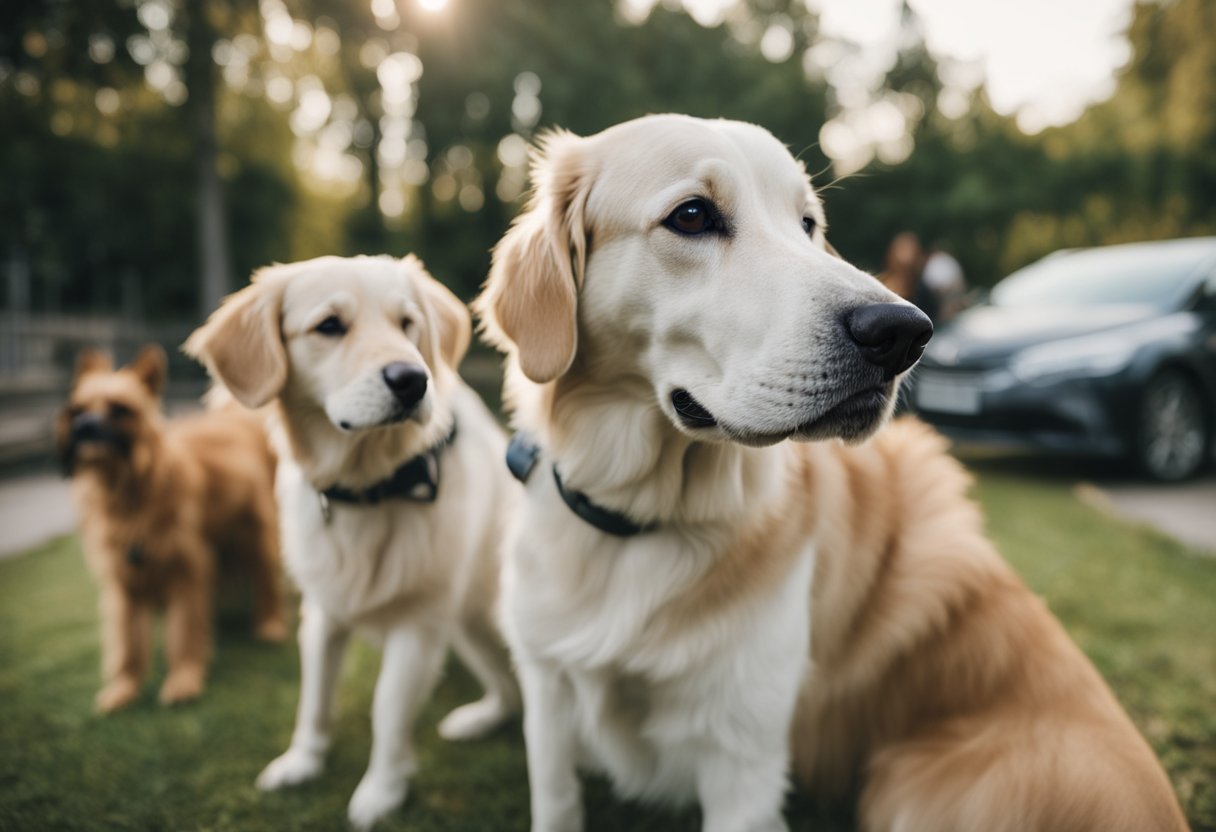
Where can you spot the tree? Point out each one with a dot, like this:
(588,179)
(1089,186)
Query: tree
(96,159)
(214,259)
(103,162)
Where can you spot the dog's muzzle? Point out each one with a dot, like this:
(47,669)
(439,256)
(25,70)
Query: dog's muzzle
(407,382)
(90,429)
(891,336)
(691,412)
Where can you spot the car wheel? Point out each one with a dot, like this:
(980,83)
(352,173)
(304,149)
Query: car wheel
(1174,431)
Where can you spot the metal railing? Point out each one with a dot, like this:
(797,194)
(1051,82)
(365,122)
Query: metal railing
(37,359)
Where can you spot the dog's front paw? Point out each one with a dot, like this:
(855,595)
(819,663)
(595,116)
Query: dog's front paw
(374,798)
(289,768)
(182,685)
(474,720)
(117,694)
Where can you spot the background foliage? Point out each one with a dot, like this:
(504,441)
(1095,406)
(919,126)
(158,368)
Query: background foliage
(348,127)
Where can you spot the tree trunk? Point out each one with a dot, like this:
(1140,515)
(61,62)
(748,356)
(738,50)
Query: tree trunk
(214,264)
(12,351)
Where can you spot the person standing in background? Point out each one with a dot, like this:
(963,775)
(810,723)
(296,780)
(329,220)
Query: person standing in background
(943,276)
(902,273)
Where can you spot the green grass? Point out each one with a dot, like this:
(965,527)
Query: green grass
(1143,607)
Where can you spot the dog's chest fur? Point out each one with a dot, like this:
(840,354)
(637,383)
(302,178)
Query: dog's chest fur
(364,558)
(369,564)
(137,540)
(654,670)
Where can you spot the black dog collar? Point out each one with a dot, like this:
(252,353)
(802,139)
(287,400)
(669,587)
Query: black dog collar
(417,480)
(522,453)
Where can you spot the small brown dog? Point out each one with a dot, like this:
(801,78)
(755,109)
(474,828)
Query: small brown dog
(160,504)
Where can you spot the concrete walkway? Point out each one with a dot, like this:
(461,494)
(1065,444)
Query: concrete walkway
(1186,511)
(33,509)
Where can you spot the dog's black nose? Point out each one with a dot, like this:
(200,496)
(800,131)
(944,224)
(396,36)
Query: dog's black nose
(86,425)
(891,335)
(407,381)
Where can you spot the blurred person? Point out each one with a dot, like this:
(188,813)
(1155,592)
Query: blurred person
(943,276)
(903,270)
(162,505)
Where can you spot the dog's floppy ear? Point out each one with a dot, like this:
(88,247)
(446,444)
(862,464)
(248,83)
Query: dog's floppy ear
(91,360)
(151,367)
(449,318)
(531,297)
(241,344)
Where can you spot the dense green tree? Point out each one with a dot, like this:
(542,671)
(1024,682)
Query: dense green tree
(1142,164)
(116,199)
(593,70)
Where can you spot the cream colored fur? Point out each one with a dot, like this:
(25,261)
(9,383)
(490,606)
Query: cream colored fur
(413,577)
(839,594)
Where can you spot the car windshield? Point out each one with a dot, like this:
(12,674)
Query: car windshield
(1152,275)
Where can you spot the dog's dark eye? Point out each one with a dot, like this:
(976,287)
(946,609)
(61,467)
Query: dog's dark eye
(331,326)
(118,411)
(692,218)
(406,323)
(808,225)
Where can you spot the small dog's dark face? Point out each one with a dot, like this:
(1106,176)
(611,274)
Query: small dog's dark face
(111,414)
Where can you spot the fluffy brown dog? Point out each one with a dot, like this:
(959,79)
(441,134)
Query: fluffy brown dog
(159,503)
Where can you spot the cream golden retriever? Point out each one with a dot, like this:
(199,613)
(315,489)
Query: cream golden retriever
(392,508)
(733,604)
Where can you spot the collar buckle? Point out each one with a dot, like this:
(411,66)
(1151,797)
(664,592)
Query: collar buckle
(523,451)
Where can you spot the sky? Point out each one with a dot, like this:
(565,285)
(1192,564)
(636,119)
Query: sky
(1043,60)
(1040,61)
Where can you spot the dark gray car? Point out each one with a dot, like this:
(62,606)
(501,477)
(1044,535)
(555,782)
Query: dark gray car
(1105,351)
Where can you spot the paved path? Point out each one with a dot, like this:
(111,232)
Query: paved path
(33,509)
(1186,511)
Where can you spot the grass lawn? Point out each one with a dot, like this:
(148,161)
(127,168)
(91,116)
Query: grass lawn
(1143,607)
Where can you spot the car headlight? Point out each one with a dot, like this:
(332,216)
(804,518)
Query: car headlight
(1092,357)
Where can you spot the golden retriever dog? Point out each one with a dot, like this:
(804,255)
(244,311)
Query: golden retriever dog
(392,504)
(695,604)
(162,504)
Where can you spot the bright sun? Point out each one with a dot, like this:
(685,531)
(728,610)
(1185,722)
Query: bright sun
(432,5)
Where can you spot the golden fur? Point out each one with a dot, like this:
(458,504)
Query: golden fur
(944,689)
(538,313)
(934,691)
(161,502)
